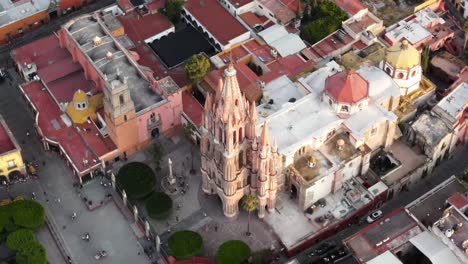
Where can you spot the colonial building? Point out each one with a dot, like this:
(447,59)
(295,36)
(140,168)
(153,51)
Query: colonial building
(11,161)
(308,138)
(234,160)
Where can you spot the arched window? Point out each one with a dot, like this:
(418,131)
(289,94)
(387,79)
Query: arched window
(330,101)
(400,75)
(236,102)
(121,99)
(240,134)
(388,70)
(413,73)
(234,137)
(344,108)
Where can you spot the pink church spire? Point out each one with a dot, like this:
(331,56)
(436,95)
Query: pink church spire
(265,135)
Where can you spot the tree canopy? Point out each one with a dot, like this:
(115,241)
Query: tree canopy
(32,253)
(173,9)
(27,214)
(159,205)
(232,252)
(19,238)
(327,19)
(185,244)
(196,68)
(137,179)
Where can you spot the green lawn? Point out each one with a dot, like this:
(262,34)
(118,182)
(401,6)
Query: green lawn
(232,252)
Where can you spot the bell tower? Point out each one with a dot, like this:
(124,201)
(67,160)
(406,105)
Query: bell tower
(120,116)
(226,136)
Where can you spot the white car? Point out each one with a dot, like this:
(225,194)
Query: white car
(374,216)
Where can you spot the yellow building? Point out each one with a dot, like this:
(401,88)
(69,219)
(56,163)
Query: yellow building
(11,161)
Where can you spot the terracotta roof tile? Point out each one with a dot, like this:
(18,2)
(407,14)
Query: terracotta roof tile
(347,87)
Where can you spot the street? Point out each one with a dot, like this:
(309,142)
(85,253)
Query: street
(454,166)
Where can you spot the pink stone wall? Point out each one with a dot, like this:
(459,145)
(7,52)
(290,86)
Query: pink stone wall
(170,116)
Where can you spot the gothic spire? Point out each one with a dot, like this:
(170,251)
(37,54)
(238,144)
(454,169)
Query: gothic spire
(265,135)
(231,96)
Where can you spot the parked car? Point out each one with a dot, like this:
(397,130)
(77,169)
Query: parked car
(374,216)
(322,249)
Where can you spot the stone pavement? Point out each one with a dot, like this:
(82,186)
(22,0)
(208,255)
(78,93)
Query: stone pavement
(108,228)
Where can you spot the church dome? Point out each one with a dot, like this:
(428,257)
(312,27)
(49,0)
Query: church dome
(402,56)
(79,96)
(347,87)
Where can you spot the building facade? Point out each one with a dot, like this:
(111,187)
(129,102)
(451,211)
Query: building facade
(235,161)
(11,161)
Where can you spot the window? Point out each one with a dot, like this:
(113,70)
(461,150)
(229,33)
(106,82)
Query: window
(240,134)
(234,137)
(121,99)
(388,70)
(344,108)
(152,118)
(11,164)
(330,101)
(413,74)
(241,159)
(236,102)
(125,118)
(400,75)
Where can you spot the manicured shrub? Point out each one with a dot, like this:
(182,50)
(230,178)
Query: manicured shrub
(137,179)
(185,244)
(232,252)
(159,205)
(27,214)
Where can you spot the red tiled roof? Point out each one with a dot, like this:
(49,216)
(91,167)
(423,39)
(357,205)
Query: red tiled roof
(6,144)
(143,27)
(216,19)
(458,200)
(253,19)
(240,3)
(192,108)
(292,4)
(348,87)
(359,45)
(246,78)
(335,41)
(351,7)
(280,10)
(79,146)
(155,5)
(125,5)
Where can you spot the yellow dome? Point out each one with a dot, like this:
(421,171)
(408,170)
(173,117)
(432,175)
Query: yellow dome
(79,96)
(403,56)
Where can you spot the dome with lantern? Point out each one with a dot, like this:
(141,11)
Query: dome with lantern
(82,107)
(346,92)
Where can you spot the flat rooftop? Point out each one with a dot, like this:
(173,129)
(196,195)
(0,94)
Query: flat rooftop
(216,19)
(372,54)
(173,49)
(330,44)
(302,226)
(134,24)
(11,11)
(454,218)
(7,141)
(281,11)
(388,233)
(301,165)
(430,207)
(112,62)
(455,102)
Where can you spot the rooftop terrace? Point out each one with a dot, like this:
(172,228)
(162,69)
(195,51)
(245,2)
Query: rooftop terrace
(111,61)
(11,11)
(429,208)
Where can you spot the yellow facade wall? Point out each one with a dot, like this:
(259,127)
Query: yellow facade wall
(15,156)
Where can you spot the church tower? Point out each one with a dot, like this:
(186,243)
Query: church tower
(120,116)
(227,151)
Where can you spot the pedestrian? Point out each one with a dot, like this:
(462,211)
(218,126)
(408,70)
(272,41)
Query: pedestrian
(177,218)
(216,228)
(27,133)
(45,193)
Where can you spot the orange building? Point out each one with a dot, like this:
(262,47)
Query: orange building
(19,17)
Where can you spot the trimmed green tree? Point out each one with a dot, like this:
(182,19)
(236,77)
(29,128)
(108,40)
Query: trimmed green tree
(250,204)
(27,214)
(233,252)
(159,205)
(196,68)
(18,239)
(137,179)
(173,9)
(185,244)
(32,253)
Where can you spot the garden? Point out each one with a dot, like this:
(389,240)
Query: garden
(18,221)
(139,182)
